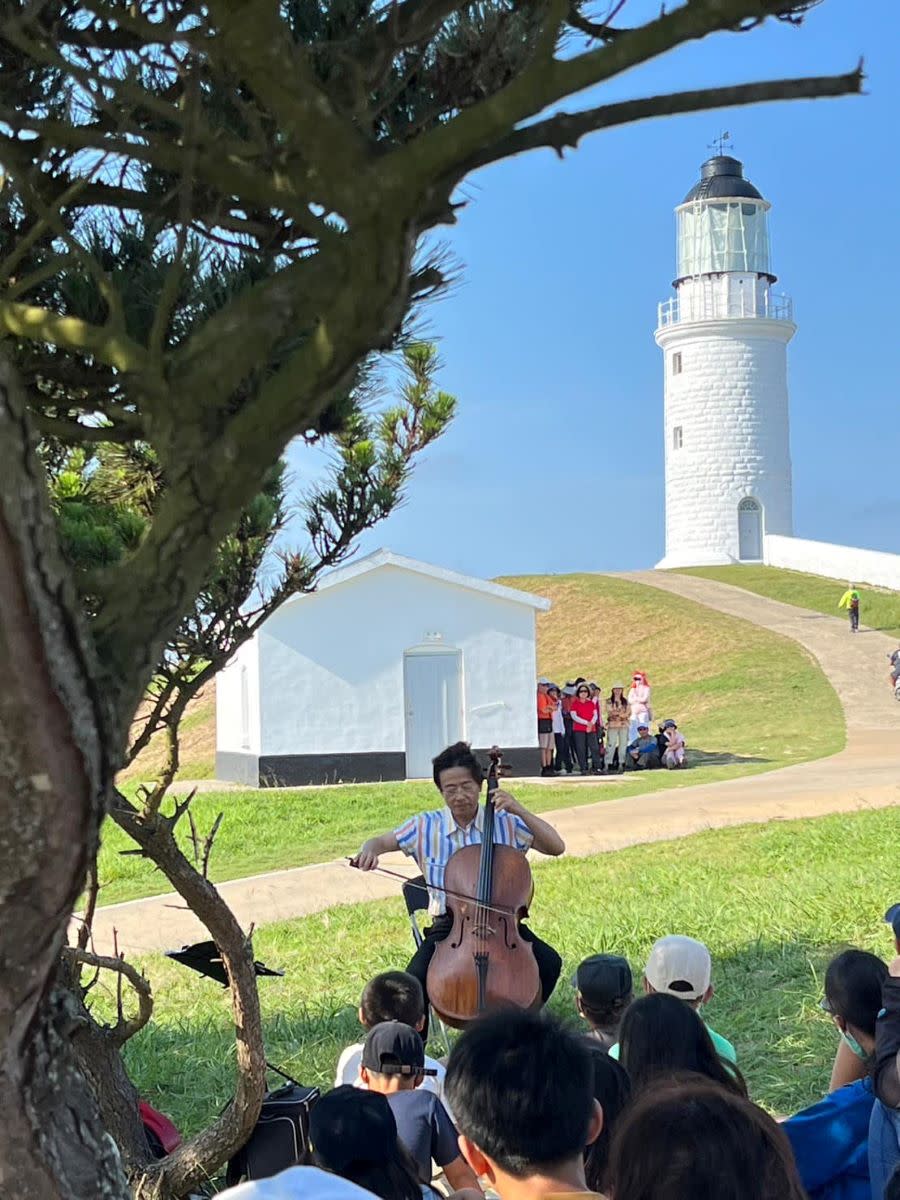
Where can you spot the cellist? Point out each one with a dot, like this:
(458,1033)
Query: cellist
(432,837)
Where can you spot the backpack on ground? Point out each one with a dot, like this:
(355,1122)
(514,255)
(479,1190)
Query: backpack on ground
(280,1138)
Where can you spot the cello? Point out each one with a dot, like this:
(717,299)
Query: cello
(484,962)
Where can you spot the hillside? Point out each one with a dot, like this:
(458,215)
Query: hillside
(880,607)
(708,671)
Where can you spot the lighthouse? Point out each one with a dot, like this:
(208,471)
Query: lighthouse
(724,339)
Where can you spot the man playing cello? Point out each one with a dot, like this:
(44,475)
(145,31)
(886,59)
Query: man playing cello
(432,837)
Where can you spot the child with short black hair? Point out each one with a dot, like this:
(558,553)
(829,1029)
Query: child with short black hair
(391,996)
(522,1090)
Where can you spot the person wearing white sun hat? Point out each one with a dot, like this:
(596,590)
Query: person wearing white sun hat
(682,967)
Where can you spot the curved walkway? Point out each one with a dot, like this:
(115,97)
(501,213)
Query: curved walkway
(866,774)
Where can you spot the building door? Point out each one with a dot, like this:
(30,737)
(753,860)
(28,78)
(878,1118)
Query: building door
(749,530)
(432,693)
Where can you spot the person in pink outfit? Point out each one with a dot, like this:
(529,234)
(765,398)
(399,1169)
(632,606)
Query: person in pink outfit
(673,746)
(639,710)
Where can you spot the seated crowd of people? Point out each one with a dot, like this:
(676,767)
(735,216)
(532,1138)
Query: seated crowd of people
(647,1102)
(580,731)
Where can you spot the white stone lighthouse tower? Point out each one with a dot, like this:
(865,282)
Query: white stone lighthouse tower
(724,336)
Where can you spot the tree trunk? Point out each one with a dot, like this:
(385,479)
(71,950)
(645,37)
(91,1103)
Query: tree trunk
(99,1057)
(55,766)
(53,1145)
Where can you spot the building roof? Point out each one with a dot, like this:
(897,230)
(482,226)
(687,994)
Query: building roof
(722,177)
(386,558)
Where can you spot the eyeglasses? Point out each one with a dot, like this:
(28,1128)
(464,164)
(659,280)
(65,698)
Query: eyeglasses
(460,789)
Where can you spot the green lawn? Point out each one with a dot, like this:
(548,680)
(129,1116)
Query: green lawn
(773,903)
(879,607)
(710,671)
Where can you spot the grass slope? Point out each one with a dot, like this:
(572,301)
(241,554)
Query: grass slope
(198,744)
(711,672)
(879,607)
(773,903)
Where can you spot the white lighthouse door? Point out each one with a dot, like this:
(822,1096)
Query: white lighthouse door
(749,530)
(432,687)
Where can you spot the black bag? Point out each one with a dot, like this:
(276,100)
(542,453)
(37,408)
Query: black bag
(280,1138)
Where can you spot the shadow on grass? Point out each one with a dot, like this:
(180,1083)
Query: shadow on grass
(719,758)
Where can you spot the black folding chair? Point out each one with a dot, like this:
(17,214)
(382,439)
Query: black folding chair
(415,896)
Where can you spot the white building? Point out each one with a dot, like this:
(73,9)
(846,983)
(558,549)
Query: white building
(374,674)
(724,338)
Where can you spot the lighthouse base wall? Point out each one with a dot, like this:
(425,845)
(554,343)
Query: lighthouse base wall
(697,558)
(823,558)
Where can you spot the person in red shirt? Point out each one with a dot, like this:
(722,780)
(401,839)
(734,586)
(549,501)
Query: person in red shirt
(584,729)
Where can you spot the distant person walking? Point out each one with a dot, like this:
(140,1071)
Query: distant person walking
(850,601)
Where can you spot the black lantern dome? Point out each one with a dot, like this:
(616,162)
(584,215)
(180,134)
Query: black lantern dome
(722,176)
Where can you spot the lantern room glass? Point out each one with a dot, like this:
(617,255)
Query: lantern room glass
(726,235)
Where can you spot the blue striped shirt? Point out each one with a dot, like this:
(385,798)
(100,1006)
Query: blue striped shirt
(431,837)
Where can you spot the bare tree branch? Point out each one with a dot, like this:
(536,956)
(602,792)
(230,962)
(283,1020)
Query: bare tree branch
(125,1028)
(565,130)
(192,1161)
(548,80)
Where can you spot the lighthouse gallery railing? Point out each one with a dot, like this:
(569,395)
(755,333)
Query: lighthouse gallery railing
(776,307)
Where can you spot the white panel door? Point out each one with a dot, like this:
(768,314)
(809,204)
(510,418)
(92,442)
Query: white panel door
(749,530)
(432,686)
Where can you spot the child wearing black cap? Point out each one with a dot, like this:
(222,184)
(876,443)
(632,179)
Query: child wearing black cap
(393,1064)
(603,990)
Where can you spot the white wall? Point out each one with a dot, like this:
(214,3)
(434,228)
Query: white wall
(835,562)
(731,401)
(229,702)
(331,664)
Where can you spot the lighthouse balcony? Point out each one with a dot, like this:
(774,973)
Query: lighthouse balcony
(720,306)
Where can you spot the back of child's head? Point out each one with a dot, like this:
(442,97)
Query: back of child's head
(521,1088)
(690,1139)
(612,1091)
(353,1134)
(392,996)
(853,983)
(661,1036)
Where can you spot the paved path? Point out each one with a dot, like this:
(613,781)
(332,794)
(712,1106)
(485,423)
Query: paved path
(866,774)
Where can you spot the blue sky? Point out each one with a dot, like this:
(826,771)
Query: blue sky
(548,340)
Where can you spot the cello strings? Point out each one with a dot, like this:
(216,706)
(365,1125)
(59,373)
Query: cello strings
(423,887)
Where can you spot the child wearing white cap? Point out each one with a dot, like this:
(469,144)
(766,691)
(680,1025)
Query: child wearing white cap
(682,967)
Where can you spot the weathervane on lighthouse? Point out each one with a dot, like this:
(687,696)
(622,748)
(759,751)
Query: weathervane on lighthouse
(724,339)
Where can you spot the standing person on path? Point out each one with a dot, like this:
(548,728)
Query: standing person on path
(850,601)
(568,696)
(545,707)
(584,716)
(597,764)
(617,718)
(562,761)
(639,703)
